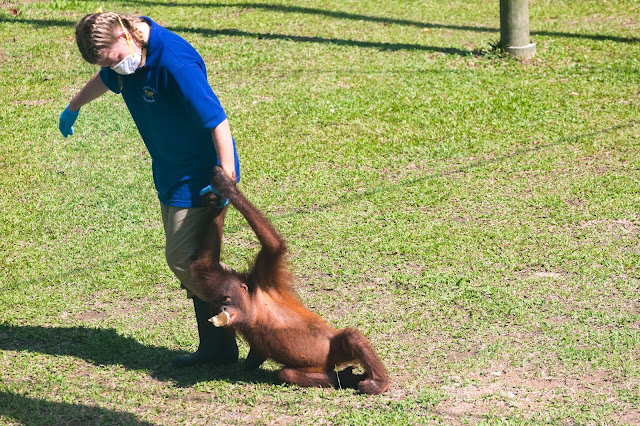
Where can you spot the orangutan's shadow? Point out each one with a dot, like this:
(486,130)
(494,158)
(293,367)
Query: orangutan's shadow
(108,347)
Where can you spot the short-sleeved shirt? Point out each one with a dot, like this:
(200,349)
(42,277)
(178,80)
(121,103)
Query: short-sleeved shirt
(174,108)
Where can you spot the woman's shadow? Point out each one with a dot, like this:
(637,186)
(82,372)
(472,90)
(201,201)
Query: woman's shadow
(30,411)
(107,347)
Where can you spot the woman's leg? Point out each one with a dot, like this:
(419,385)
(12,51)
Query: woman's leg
(188,231)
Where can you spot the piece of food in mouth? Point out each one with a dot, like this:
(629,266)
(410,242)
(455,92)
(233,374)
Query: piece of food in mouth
(220,320)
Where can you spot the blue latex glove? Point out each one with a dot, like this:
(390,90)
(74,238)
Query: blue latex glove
(67,118)
(221,201)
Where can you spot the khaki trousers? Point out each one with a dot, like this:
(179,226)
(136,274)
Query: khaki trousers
(184,230)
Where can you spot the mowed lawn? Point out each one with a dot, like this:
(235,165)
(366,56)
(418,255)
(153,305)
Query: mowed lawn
(475,216)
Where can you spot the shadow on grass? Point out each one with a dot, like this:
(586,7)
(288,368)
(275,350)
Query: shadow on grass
(336,14)
(350,198)
(107,347)
(29,411)
(383,46)
(39,23)
(323,40)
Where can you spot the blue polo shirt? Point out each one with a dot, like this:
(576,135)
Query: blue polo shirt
(174,109)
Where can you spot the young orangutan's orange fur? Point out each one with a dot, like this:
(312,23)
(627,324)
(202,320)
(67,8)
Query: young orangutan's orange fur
(266,311)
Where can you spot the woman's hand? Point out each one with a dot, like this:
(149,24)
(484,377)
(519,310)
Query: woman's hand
(67,118)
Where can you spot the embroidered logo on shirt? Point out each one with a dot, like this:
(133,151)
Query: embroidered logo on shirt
(149,94)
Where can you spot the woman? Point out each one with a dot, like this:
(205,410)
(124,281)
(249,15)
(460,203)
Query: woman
(163,81)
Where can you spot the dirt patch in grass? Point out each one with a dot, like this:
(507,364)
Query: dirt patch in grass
(153,310)
(29,102)
(502,392)
(539,274)
(614,228)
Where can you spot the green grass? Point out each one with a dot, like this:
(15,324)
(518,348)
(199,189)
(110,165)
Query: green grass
(475,216)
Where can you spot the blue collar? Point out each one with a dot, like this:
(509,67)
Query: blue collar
(153,50)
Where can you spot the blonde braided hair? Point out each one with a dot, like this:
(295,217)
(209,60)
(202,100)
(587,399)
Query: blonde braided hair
(96,33)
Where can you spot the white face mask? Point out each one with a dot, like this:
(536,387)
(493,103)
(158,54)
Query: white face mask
(128,65)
